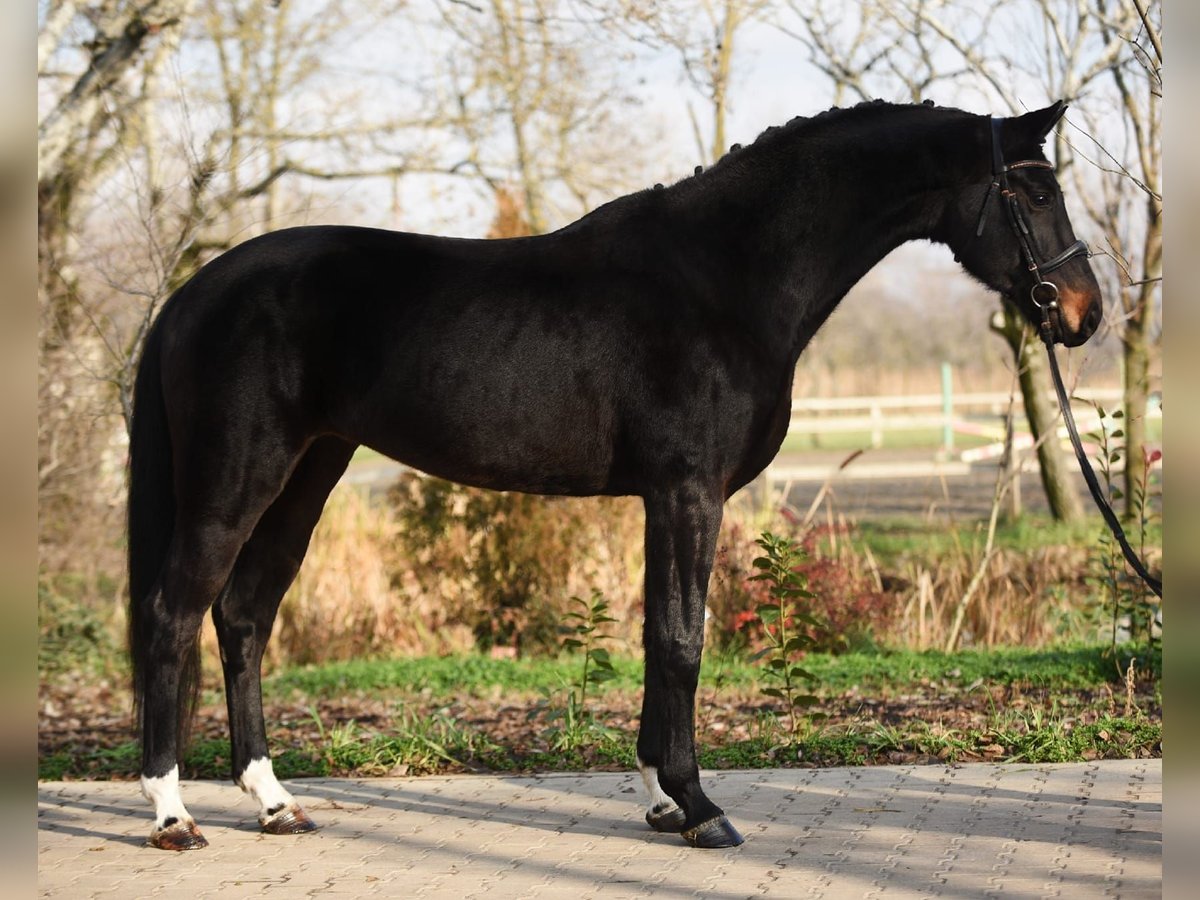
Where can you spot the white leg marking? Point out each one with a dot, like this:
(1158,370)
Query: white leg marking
(659,800)
(259,782)
(163,792)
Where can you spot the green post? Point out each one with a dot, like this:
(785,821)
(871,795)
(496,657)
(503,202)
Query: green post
(947,409)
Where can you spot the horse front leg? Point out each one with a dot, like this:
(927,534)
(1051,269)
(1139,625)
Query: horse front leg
(681,535)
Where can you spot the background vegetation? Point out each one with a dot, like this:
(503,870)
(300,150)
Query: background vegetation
(377,671)
(171,130)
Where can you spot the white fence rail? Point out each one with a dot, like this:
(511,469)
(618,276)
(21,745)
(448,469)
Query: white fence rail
(949,413)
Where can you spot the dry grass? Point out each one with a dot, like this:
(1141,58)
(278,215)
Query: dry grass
(363,590)
(349,599)
(1021,600)
(508,564)
(359,593)
(1031,597)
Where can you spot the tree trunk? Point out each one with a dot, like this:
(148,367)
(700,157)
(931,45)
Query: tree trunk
(1042,415)
(1136,390)
(722,67)
(1136,347)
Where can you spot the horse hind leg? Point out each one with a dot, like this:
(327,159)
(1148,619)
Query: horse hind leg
(245,613)
(223,497)
(663,813)
(201,556)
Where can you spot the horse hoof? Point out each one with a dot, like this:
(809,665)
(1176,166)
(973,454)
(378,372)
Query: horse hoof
(667,818)
(289,820)
(713,834)
(178,835)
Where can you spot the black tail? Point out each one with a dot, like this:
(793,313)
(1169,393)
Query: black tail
(151,523)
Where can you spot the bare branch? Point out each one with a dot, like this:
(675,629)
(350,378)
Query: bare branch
(115,48)
(1151,31)
(56,23)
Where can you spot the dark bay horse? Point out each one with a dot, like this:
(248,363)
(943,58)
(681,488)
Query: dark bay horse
(647,349)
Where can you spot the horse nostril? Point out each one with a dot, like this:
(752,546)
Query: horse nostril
(1091,321)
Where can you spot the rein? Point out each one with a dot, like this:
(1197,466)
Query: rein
(1047,303)
(1064,403)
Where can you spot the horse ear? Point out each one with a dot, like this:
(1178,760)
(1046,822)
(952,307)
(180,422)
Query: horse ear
(1034,126)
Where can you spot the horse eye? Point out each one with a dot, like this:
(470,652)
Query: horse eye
(1040,199)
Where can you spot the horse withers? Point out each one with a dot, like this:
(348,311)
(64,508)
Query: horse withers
(647,349)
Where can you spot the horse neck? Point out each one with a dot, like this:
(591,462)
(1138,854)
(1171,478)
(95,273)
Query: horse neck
(814,224)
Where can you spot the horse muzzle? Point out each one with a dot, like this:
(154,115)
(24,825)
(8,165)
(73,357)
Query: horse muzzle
(1074,315)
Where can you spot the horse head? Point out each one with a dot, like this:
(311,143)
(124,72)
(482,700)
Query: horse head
(1009,228)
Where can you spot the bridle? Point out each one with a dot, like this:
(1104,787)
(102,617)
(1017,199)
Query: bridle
(1043,293)
(1047,302)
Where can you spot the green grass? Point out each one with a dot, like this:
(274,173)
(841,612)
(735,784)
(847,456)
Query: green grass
(435,742)
(447,677)
(891,539)
(435,747)
(417,746)
(450,678)
(1065,668)
(75,633)
(909,439)
(1047,741)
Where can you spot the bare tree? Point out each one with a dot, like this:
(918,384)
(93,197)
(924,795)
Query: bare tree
(122,33)
(1130,214)
(209,188)
(135,189)
(891,48)
(533,97)
(1005,50)
(170,131)
(863,54)
(85,128)
(96,64)
(705,36)
(1054,466)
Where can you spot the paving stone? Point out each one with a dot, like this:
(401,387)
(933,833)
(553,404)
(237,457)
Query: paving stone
(1073,830)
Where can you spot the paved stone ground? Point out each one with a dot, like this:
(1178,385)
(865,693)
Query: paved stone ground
(1077,830)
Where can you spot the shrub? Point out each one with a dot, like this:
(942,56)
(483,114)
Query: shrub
(850,607)
(853,609)
(788,627)
(349,598)
(78,624)
(506,564)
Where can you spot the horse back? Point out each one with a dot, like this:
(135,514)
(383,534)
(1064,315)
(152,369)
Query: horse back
(548,364)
